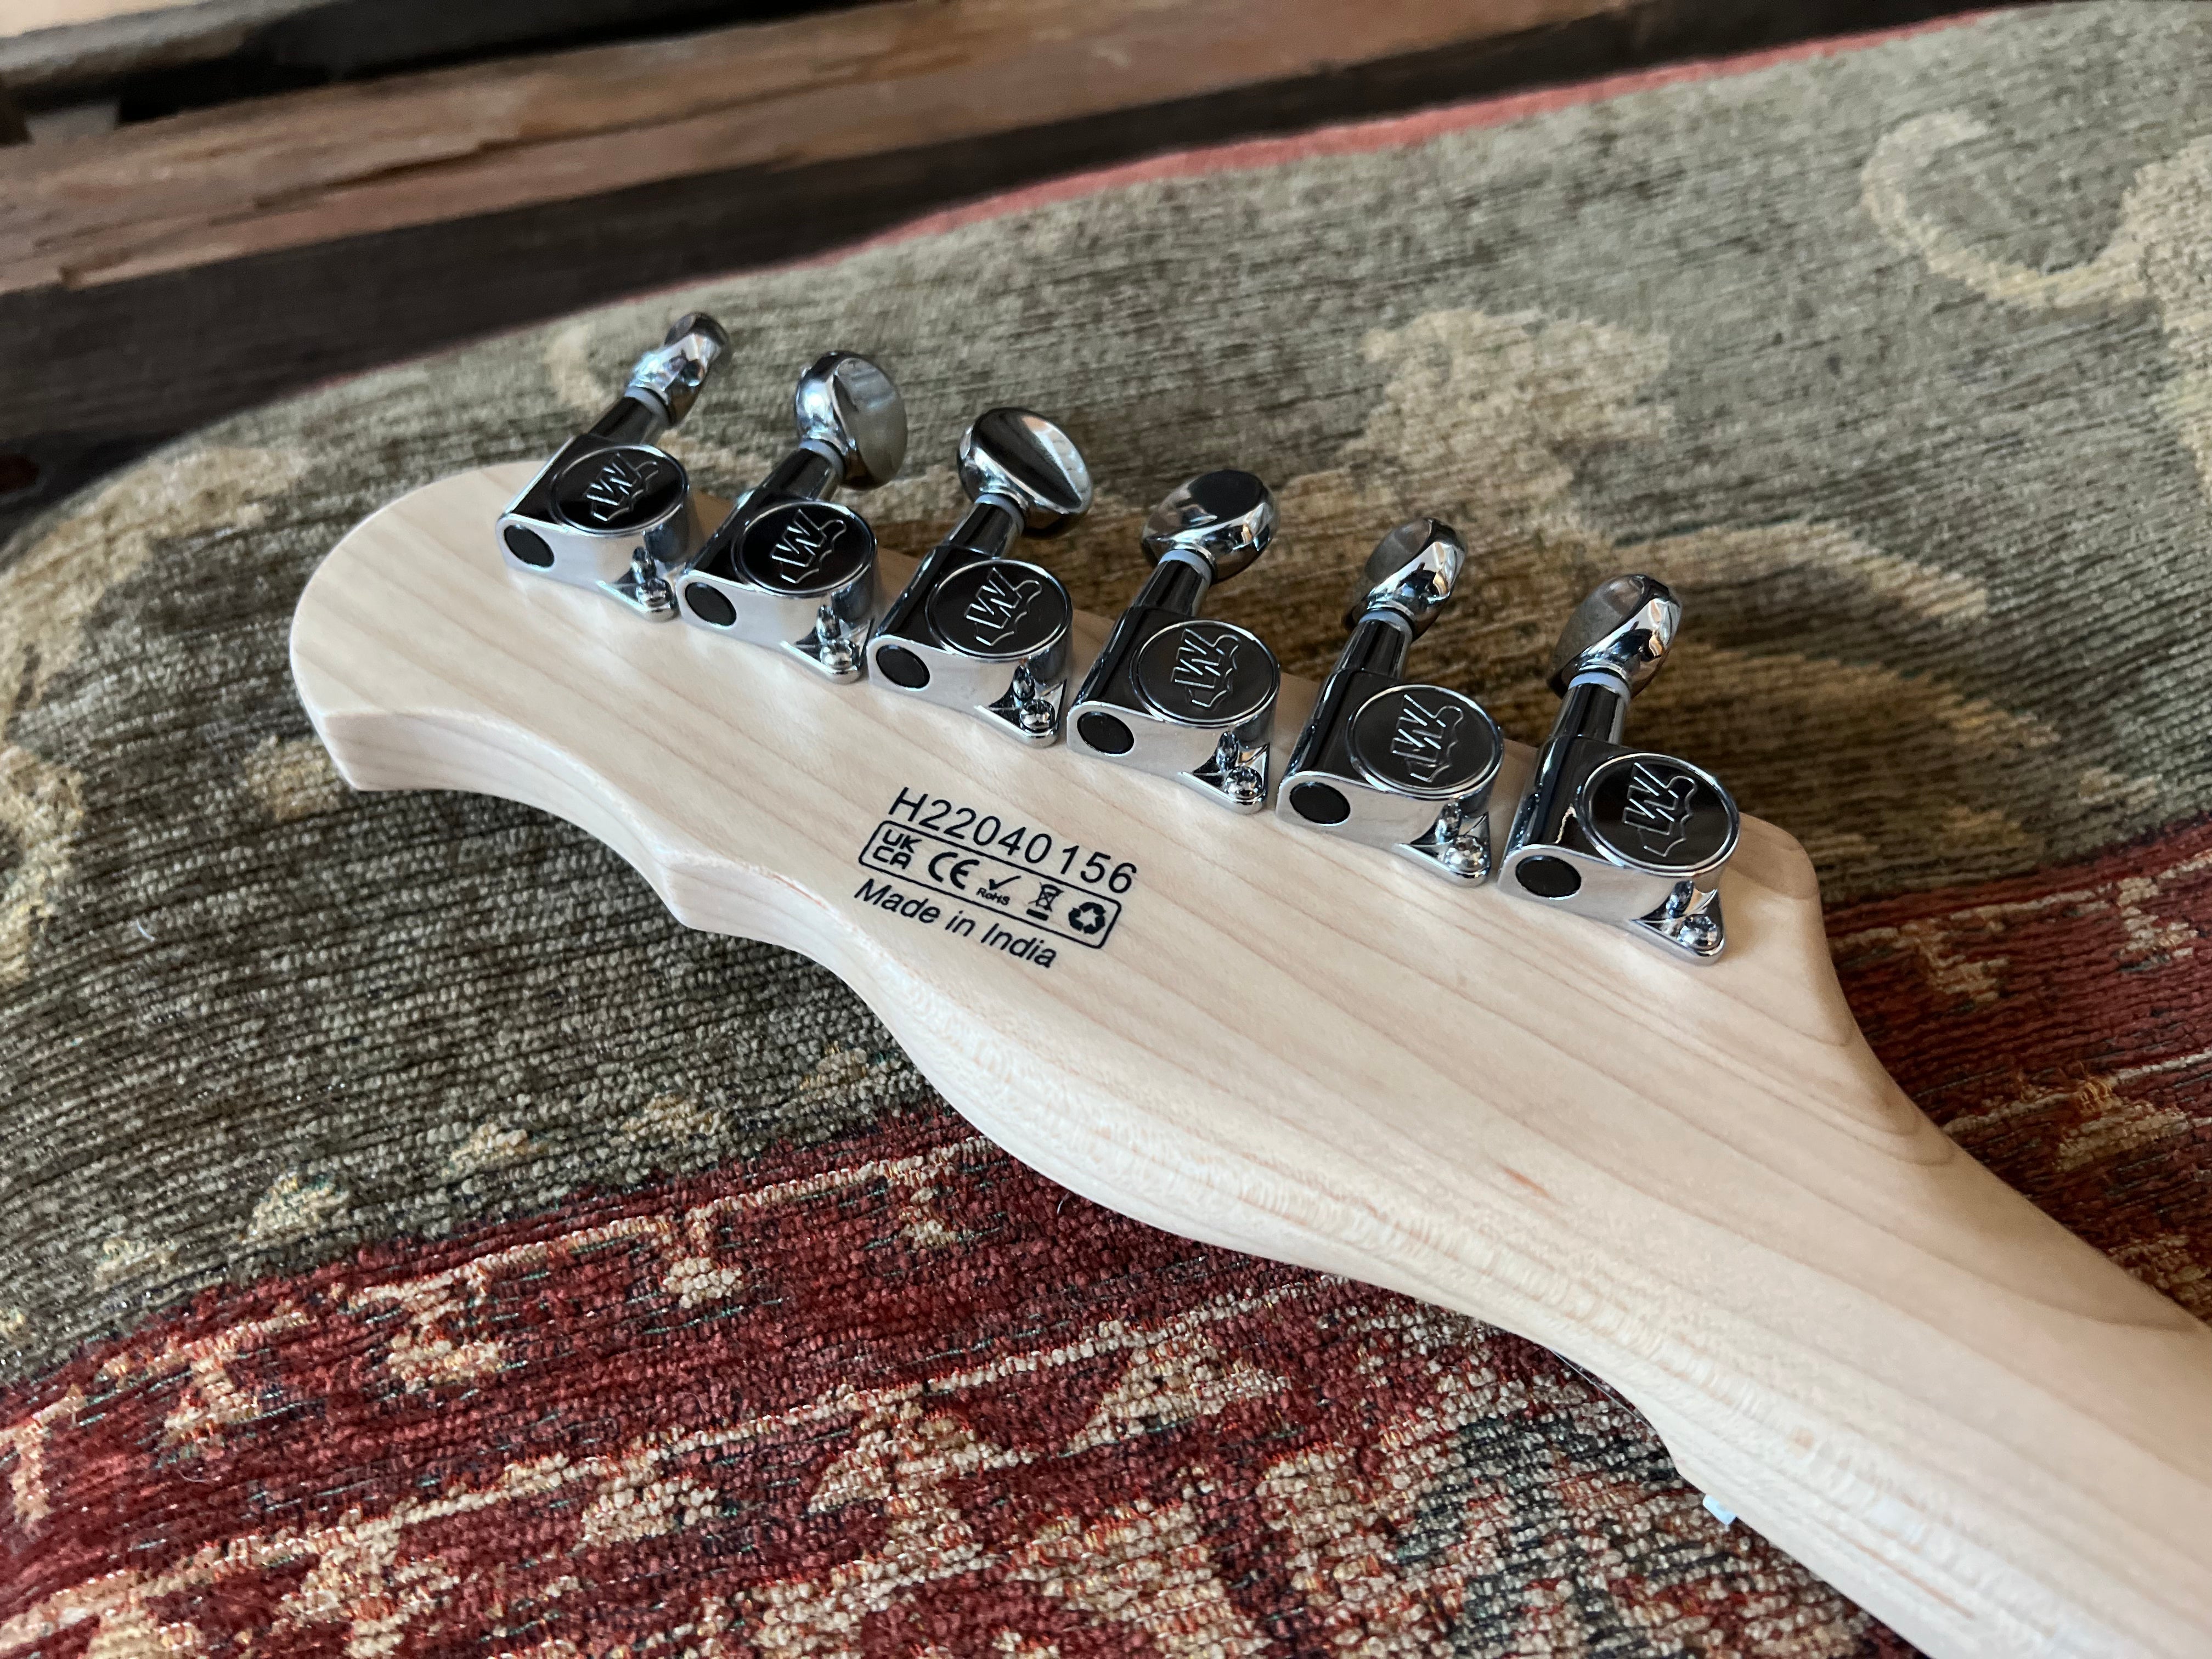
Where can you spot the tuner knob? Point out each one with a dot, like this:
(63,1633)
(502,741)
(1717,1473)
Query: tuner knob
(1623,835)
(1624,628)
(1023,464)
(789,568)
(1405,767)
(847,406)
(673,373)
(1412,573)
(1219,522)
(610,511)
(1175,693)
(975,628)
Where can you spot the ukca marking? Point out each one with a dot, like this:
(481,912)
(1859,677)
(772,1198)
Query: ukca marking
(1004,891)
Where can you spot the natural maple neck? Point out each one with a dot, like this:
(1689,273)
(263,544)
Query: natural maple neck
(1696,1182)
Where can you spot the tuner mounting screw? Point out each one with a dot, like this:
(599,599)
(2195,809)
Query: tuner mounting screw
(837,644)
(1462,841)
(1700,935)
(1245,785)
(1035,712)
(655,596)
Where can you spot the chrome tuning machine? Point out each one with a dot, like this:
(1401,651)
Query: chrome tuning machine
(1175,693)
(1403,767)
(1621,834)
(789,568)
(974,629)
(610,511)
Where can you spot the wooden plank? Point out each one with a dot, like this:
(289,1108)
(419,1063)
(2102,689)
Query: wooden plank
(382,155)
(51,48)
(198,53)
(171,271)
(24,16)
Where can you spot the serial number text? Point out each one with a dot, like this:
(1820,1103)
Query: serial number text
(1034,848)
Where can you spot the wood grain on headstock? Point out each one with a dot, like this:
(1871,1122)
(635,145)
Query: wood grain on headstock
(1696,1183)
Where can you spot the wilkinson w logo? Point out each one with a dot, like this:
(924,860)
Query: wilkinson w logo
(1658,808)
(1001,605)
(617,484)
(1425,737)
(1205,666)
(803,543)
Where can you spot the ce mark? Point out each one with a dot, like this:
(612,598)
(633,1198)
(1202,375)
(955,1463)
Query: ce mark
(962,867)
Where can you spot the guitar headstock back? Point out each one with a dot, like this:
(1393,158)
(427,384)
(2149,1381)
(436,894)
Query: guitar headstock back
(1092,967)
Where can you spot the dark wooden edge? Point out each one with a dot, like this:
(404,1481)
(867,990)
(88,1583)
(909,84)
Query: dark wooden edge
(91,374)
(191,56)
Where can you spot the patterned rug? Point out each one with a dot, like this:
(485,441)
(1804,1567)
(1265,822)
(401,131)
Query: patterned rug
(412,1243)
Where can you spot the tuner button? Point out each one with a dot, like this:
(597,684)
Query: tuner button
(1414,572)
(698,334)
(1206,673)
(848,404)
(1659,814)
(805,548)
(1626,626)
(1024,460)
(1225,519)
(1426,742)
(1000,610)
(674,372)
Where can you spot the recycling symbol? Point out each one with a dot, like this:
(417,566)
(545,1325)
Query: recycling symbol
(1088,917)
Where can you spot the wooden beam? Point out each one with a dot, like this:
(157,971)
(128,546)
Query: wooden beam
(25,16)
(160,275)
(355,160)
(54,49)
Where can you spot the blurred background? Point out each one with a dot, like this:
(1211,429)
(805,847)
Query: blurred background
(205,203)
